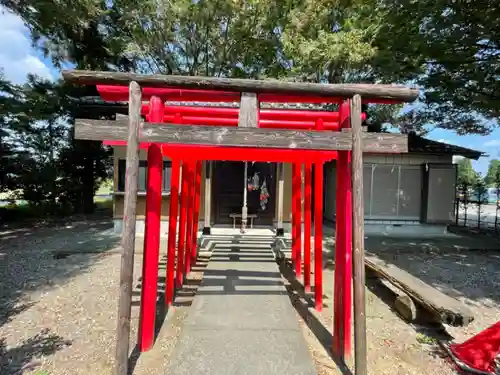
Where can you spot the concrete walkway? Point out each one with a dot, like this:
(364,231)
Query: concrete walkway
(242,321)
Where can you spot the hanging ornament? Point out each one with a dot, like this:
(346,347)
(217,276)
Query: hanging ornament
(253,183)
(264,196)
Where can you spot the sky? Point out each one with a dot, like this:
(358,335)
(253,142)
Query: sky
(18,58)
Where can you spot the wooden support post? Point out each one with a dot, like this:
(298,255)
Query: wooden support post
(244,208)
(182,226)
(172,230)
(296,218)
(208,195)
(248,117)
(197,189)
(189,218)
(151,249)
(281,189)
(318,235)
(343,249)
(358,237)
(128,234)
(307,225)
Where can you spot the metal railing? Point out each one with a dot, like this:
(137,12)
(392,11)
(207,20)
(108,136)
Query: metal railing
(478,214)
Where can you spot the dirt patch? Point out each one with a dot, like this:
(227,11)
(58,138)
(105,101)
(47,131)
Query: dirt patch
(59,298)
(394,346)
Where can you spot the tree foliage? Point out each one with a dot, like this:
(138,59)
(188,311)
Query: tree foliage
(448,48)
(492,176)
(466,173)
(456,45)
(36,143)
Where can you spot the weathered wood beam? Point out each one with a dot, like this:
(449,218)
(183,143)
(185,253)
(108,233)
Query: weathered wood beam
(358,239)
(249,110)
(240,137)
(248,117)
(368,91)
(131,134)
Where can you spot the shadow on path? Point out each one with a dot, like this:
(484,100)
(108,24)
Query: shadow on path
(302,304)
(183,297)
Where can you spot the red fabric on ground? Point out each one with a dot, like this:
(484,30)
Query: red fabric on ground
(480,351)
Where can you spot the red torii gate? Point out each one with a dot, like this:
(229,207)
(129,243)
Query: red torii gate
(256,136)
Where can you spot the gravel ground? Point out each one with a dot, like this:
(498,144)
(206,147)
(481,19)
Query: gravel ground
(394,346)
(59,293)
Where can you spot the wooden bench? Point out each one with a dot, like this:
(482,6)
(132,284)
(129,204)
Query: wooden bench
(443,308)
(251,217)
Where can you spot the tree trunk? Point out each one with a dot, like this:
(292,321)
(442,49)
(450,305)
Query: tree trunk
(88,185)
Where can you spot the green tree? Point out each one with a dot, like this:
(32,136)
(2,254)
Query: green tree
(455,47)
(466,174)
(9,110)
(493,171)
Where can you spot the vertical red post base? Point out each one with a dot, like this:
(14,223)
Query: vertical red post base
(479,353)
(151,249)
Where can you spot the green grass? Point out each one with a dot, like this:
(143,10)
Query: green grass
(105,188)
(103,204)
(424,339)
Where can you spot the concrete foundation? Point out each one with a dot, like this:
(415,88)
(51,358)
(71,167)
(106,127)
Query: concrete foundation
(371,227)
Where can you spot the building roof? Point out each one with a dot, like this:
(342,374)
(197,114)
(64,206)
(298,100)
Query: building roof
(421,145)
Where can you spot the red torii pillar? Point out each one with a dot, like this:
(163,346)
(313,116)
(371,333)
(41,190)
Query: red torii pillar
(297,217)
(343,248)
(189,217)
(172,230)
(197,191)
(182,226)
(307,224)
(151,235)
(318,228)
(318,235)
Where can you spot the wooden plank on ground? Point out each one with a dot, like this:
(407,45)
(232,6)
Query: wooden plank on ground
(367,91)
(111,130)
(447,309)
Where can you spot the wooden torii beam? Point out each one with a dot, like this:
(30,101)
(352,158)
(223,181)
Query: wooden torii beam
(367,91)
(133,130)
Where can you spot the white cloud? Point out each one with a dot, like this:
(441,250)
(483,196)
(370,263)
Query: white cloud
(444,141)
(492,143)
(17,57)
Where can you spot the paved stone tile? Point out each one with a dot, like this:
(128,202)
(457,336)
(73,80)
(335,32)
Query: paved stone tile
(241,321)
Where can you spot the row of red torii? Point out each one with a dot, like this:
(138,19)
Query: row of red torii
(306,139)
